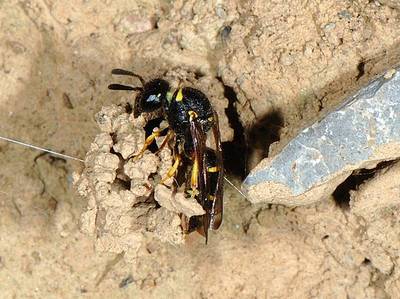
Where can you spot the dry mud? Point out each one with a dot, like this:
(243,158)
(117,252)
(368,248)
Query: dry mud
(277,66)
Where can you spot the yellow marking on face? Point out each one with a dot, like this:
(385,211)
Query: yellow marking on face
(192,115)
(210,118)
(179,95)
(213,169)
(211,197)
(169,96)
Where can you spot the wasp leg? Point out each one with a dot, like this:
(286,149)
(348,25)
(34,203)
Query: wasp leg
(171,172)
(194,179)
(149,140)
(165,141)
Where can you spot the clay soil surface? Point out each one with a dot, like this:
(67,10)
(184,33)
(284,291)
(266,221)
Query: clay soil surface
(270,68)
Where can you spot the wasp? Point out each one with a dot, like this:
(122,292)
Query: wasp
(190,117)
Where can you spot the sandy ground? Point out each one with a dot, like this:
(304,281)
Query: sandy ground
(277,66)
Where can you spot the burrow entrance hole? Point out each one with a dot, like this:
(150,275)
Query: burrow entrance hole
(248,142)
(341,195)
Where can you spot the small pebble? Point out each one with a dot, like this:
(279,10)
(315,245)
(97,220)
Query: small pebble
(389,74)
(329,26)
(286,59)
(345,14)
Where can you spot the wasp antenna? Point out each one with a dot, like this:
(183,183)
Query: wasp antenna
(123,87)
(127,73)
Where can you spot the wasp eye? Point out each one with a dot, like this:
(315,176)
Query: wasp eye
(153,99)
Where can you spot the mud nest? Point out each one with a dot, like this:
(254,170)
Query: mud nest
(126,203)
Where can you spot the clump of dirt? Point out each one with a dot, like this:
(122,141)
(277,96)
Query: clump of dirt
(126,204)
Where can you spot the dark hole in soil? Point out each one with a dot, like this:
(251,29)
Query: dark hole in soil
(261,135)
(366,261)
(124,184)
(361,70)
(250,143)
(234,151)
(342,193)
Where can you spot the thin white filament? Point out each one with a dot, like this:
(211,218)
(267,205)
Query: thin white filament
(40,149)
(234,187)
(80,160)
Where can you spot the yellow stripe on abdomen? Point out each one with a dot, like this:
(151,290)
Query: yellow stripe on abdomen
(213,169)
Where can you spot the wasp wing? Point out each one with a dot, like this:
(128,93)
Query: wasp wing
(198,138)
(217,207)
(211,180)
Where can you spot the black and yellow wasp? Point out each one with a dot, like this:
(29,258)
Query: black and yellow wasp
(190,116)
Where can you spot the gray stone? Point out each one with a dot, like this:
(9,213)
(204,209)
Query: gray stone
(362,132)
